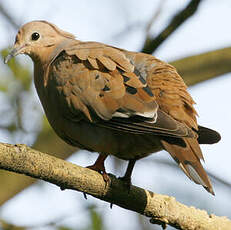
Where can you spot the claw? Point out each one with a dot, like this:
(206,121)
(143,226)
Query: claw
(99,167)
(85,195)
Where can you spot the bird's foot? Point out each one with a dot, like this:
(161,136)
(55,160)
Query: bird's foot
(98,166)
(100,170)
(127,177)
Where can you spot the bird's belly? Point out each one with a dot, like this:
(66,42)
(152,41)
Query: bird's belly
(89,136)
(125,146)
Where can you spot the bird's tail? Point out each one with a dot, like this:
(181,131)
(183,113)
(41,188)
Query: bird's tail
(188,156)
(207,136)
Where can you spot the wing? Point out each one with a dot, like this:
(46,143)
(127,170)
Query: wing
(103,84)
(173,98)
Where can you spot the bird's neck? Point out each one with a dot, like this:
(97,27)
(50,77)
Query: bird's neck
(45,55)
(42,56)
(39,71)
(42,63)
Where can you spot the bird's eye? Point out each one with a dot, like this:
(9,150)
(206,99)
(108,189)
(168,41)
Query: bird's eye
(35,36)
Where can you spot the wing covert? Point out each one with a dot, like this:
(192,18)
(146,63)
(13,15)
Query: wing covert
(103,84)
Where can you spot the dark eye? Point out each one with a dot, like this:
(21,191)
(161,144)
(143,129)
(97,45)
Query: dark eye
(35,36)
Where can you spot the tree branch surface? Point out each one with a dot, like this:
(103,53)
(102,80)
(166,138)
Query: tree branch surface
(161,209)
(205,66)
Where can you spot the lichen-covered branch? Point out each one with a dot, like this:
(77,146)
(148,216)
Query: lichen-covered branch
(160,208)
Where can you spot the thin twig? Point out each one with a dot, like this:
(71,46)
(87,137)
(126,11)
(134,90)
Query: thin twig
(128,28)
(154,17)
(140,24)
(151,44)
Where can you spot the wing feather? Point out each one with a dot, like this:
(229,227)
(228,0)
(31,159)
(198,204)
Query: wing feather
(104,84)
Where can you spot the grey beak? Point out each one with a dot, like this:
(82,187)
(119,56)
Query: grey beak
(14,52)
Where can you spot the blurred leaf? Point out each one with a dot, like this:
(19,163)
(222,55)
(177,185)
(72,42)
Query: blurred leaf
(64,228)
(96,219)
(19,71)
(3,88)
(12,127)
(7,226)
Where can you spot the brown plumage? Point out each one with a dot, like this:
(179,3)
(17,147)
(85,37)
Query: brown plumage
(113,101)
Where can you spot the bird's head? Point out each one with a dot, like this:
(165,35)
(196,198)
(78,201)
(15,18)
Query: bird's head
(36,39)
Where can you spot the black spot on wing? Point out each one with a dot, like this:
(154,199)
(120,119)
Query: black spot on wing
(138,74)
(131,90)
(148,91)
(142,80)
(106,88)
(97,77)
(125,78)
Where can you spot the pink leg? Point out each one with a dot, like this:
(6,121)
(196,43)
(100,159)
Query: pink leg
(99,167)
(127,177)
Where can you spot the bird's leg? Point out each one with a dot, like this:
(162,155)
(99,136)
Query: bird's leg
(99,167)
(127,177)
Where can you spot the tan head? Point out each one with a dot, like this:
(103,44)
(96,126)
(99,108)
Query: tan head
(36,38)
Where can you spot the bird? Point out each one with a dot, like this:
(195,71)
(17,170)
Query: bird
(113,101)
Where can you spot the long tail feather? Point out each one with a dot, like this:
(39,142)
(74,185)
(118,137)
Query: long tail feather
(188,157)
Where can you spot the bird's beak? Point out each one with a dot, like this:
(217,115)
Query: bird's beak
(17,49)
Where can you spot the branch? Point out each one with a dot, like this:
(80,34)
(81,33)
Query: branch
(151,44)
(161,209)
(154,17)
(199,68)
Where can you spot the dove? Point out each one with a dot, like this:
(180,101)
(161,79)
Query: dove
(112,101)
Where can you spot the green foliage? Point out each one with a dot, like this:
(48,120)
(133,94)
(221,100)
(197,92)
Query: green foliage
(3,88)
(20,72)
(7,226)
(96,219)
(64,228)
